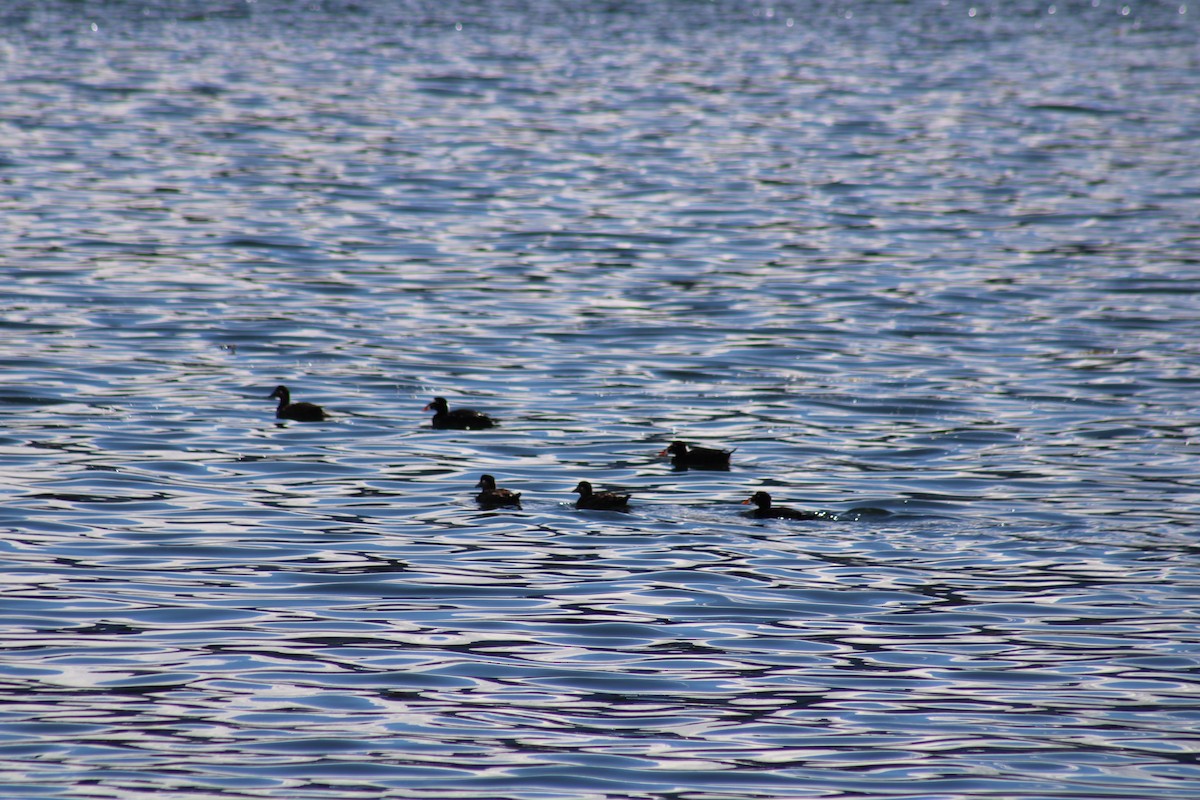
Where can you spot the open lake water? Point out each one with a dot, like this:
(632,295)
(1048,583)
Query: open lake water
(934,259)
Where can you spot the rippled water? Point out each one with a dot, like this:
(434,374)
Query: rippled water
(935,259)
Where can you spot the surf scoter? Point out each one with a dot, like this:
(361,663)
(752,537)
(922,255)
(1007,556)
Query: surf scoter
(490,495)
(460,419)
(304,412)
(685,457)
(764,509)
(600,501)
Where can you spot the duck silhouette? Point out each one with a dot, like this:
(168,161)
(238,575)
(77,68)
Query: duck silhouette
(764,509)
(460,419)
(684,456)
(303,412)
(600,501)
(491,495)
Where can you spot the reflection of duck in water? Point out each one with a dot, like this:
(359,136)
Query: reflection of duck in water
(460,419)
(685,457)
(303,412)
(600,501)
(764,509)
(491,496)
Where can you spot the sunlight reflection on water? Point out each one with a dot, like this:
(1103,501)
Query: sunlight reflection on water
(893,260)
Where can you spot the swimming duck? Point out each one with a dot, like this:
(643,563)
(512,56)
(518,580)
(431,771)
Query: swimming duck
(764,509)
(685,457)
(460,419)
(303,412)
(600,501)
(490,495)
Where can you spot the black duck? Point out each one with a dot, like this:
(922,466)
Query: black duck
(491,495)
(600,501)
(303,412)
(460,419)
(685,457)
(764,509)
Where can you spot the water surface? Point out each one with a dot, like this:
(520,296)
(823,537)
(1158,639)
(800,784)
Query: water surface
(931,259)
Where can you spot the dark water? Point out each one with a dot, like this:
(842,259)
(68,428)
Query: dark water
(937,259)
